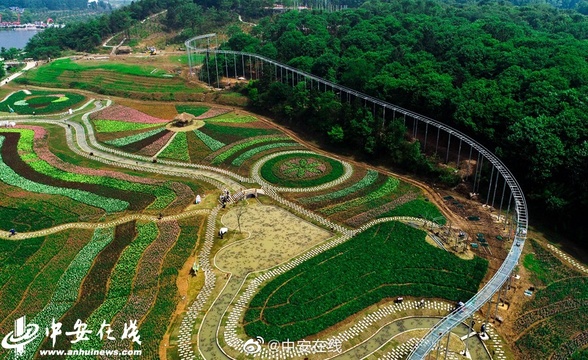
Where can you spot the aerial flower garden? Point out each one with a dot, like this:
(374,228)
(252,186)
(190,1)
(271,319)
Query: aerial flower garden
(99,222)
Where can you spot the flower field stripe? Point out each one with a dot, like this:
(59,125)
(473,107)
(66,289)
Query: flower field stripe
(123,113)
(19,267)
(92,290)
(134,138)
(170,140)
(157,146)
(239,160)
(367,180)
(235,149)
(28,212)
(107,126)
(164,294)
(177,148)
(191,109)
(40,290)
(233,135)
(371,214)
(146,282)
(232,118)
(66,292)
(388,187)
(120,283)
(212,144)
(184,196)
(8,176)
(164,195)
(43,153)
(212,113)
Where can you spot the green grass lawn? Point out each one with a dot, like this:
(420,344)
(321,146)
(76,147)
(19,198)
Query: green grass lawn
(112,78)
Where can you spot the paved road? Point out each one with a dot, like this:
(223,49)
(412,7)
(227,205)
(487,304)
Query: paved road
(29,65)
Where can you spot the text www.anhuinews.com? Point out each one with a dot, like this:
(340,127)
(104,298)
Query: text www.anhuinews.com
(81,352)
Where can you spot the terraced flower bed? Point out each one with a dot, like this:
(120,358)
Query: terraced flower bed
(369,178)
(239,160)
(112,78)
(9,176)
(35,279)
(157,142)
(149,143)
(102,126)
(154,195)
(120,283)
(232,117)
(167,294)
(230,134)
(127,140)
(237,147)
(68,284)
(557,312)
(177,149)
(197,149)
(127,114)
(391,259)
(387,188)
(40,102)
(91,292)
(211,143)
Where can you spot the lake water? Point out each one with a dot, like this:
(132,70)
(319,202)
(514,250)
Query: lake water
(15,38)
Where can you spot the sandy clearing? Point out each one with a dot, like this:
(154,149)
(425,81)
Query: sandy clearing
(275,236)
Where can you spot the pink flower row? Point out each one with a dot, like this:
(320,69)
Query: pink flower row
(40,132)
(123,113)
(212,113)
(41,149)
(154,147)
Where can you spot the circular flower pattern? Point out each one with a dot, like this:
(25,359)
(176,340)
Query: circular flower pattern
(300,170)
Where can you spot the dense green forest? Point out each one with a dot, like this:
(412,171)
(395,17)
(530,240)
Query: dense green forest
(515,78)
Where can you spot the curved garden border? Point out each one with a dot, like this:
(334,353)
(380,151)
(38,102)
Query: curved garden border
(256,173)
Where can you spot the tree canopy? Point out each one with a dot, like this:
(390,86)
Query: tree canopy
(513,77)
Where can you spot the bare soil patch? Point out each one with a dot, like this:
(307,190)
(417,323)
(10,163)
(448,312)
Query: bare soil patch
(275,235)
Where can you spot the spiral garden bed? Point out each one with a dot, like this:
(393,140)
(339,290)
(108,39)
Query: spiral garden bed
(40,102)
